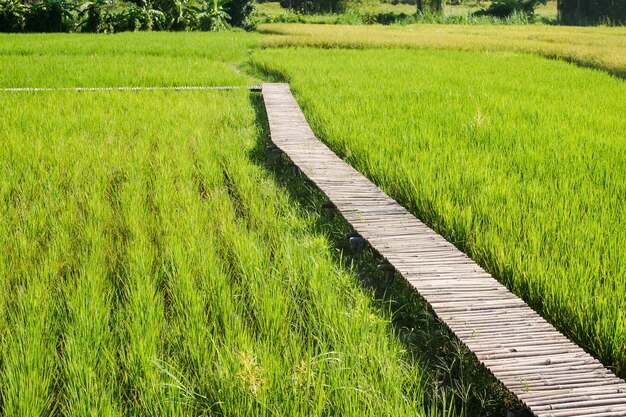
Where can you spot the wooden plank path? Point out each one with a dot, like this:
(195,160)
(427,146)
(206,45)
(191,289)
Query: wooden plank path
(550,374)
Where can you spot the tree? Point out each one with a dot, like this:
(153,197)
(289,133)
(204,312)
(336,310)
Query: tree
(433,6)
(12,15)
(592,11)
(239,12)
(505,8)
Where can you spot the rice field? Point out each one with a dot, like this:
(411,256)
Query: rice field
(154,261)
(515,159)
(595,47)
(149,266)
(125,60)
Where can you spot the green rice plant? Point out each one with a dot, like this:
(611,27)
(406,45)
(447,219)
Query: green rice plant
(31,266)
(88,363)
(150,267)
(515,159)
(133,59)
(603,48)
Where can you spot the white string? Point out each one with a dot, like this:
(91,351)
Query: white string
(180,88)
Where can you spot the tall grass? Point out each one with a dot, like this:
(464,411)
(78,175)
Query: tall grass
(150,267)
(89,346)
(126,59)
(515,159)
(598,47)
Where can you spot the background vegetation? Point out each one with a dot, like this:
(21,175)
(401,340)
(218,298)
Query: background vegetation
(119,15)
(592,11)
(213,15)
(374,12)
(435,11)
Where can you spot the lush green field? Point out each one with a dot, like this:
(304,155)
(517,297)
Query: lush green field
(150,263)
(125,59)
(516,159)
(596,47)
(150,266)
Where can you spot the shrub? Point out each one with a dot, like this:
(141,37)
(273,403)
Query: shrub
(590,12)
(139,17)
(213,17)
(507,8)
(350,18)
(50,16)
(177,14)
(95,17)
(12,15)
(430,6)
(106,16)
(317,6)
(239,12)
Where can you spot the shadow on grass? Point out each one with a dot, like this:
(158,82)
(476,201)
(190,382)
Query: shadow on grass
(455,372)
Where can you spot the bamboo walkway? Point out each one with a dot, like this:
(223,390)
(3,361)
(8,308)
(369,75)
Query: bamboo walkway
(550,374)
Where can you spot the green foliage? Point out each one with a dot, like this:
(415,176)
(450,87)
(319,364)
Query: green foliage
(281,18)
(144,17)
(351,17)
(213,17)
(239,12)
(592,11)
(178,14)
(12,15)
(430,6)
(109,16)
(95,17)
(50,16)
(507,8)
(318,6)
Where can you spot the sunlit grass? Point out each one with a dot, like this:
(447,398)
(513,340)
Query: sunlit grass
(150,265)
(516,159)
(597,47)
(125,59)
